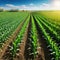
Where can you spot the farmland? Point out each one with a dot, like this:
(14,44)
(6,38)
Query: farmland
(30,35)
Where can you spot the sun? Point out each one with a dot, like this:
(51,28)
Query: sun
(56,3)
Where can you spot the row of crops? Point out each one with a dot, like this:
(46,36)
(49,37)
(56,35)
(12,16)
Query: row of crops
(8,23)
(32,43)
(51,35)
(39,36)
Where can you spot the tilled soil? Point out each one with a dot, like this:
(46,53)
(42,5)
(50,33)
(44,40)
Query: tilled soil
(43,42)
(21,54)
(40,55)
(10,40)
(40,50)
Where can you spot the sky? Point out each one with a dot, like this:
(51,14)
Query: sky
(30,4)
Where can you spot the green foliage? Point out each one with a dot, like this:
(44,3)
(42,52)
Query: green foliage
(9,22)
(53,45)
(19,38)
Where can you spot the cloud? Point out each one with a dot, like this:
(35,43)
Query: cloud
(11,6)
(53,5)
(27,7)
(21,7)
(31,4)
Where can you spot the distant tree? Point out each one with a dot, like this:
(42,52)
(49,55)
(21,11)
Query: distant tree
(23,10)
(1,9)
(13,10)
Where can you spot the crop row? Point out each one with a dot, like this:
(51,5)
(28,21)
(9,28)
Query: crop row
(39,30)
(15,45)
(9,24)
(52,44)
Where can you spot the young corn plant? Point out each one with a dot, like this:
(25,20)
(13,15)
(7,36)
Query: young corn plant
(50,42)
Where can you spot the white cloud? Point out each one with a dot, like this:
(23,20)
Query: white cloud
(53,5)
(11,6)
(31,4)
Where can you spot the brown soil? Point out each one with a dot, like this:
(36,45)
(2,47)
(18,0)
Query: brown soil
(10,39)
(40,51)
(20,55)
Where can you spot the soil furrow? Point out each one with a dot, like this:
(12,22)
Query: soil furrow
(20,54)
(40,42)
(10,40)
